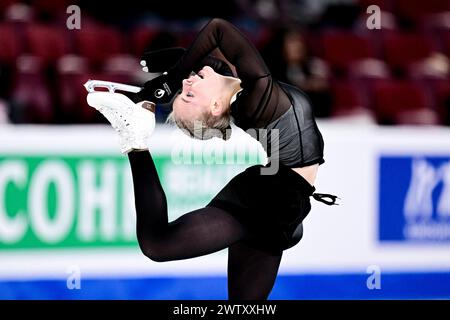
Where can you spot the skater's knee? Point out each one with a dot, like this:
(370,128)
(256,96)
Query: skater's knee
(153,251)
(155,256)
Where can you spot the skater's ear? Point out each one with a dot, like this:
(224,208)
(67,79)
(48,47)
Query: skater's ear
(216,107)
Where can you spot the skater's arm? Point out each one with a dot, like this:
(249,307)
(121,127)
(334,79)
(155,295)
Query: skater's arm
(159,61)
(235,47)
(261,95)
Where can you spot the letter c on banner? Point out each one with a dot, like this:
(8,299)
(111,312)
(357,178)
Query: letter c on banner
(12,229)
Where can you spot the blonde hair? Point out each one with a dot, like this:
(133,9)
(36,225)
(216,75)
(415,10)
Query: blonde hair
(207,127)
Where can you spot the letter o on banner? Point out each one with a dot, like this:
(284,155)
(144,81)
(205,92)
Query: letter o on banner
(46,229)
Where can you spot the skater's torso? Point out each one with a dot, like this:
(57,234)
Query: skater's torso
(263,103)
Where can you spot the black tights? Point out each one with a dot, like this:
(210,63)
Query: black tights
(251,272)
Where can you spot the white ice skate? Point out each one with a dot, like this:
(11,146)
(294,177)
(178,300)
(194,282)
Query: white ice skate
(90,86)
(134,122)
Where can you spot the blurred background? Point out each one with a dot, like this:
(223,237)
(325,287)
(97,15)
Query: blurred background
(377,73)
(327,48)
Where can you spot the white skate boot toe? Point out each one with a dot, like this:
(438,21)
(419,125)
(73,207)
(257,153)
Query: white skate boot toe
(133,122)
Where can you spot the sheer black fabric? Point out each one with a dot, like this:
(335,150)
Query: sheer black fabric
(245,216)
(263,100)
(194,234)
(251,272)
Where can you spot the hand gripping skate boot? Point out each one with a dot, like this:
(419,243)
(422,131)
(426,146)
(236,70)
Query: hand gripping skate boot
(134,122)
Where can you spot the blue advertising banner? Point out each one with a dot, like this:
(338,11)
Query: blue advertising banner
(414,199)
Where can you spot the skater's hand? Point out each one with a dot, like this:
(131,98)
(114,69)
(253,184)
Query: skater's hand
(159,61)
(160,90)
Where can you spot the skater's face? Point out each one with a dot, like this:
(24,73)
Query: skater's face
(202,107)
(199,94)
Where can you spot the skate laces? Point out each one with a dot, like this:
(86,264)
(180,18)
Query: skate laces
(321,197)
(118,119)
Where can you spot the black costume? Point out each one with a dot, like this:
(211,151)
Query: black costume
(257,216)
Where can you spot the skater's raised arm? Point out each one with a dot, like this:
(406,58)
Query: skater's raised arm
(260,102)
(233,44)
(235,47)
(162,60)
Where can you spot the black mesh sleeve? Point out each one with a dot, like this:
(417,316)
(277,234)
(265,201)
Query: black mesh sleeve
(261,100)
(159,61)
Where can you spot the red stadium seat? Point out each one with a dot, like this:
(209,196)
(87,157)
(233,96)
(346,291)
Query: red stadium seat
(52,8)
(446,43)
(403,49)
(98,43)
(72,93)
(73,72)
(31,96)
(4,4)
(348,99)
(10,45)
(369,69)
(125,66)
(47,42)
(385,5)
(342,48)
(72,97)
(402,102)
(141,38)
(435,23)
(441,90)
(413,11)
(312,43)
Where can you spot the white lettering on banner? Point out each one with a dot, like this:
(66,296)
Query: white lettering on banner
(185,181)
(102,198)
(12,229)
(95,212)
(128,222)
(428,231)
(424,179)
(51,230)
(443,207)
(419,202)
